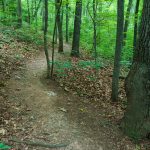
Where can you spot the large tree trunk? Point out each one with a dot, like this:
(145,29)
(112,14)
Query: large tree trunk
(119,42)
(19,14)
(77,26)
(126,24)
(59,25)
(136,122)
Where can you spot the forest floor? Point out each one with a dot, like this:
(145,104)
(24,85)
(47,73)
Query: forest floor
(37,109)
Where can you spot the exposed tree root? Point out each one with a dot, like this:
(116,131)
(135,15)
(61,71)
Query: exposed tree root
(40,144)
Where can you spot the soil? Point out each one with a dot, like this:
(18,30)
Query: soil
(52,115)
(43,111)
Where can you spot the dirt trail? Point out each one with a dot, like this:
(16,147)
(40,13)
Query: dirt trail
(45,117)
(43,120)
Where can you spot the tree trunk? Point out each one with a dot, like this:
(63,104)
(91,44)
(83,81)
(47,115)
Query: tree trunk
(43,16)
(36,19)
(67,21)
(77,26)
(36,9)
(136,23)
(45,38)
(136,122)
(19,14)
(126,24)
(3,5)
(4,9)
(54,32)
(28,6)
(119,42)
(32,9)
(95,30)
(59,25)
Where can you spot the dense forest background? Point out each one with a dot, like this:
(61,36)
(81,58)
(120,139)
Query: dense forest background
(32,13)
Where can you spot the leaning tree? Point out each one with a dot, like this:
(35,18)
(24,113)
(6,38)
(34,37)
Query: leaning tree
(136,122)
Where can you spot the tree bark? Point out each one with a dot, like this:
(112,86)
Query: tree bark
(59,25)
(77,26)
(56,30)
(36,9)
(54,34)
(95,30)
(136,122)
(136,24)
(45,38)
(4,9)
(126,24)
(19,14)
(36,19)
(3,5)
(119,42)
(67,21)
(32,9)
(28,7)
(43,16)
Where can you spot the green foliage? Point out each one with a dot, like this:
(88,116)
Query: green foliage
(29,35)
(61,67)
(91,64)
(106,25)
(4,147)
(126,63)
(17,57)
(127,53)
(25,34)
(137,147)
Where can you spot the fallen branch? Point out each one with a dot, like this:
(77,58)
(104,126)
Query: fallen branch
(40,144)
